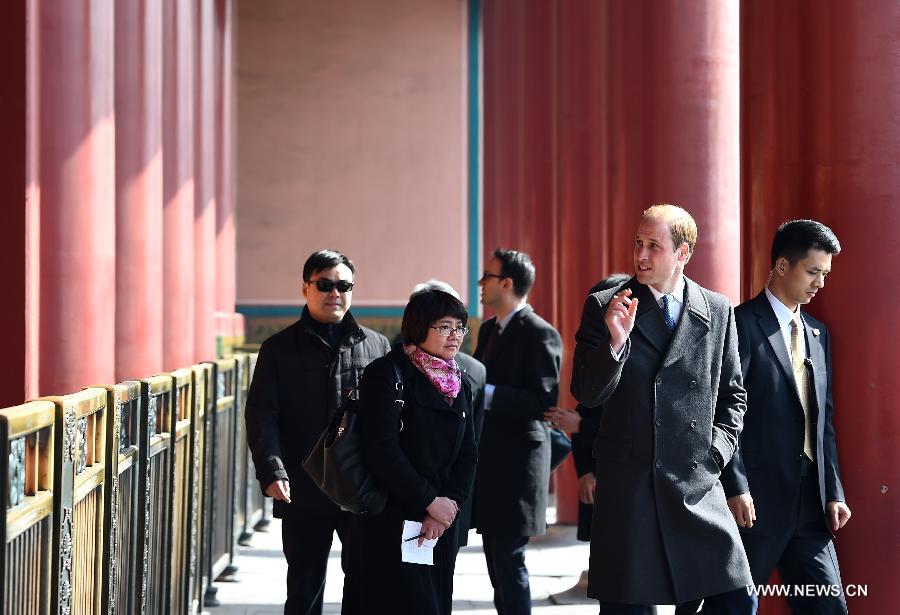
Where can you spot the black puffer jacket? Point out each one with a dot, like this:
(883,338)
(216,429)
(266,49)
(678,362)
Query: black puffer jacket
(298,384)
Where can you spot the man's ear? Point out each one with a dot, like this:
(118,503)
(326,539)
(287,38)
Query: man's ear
(304,288)
(782,265)
(684,252)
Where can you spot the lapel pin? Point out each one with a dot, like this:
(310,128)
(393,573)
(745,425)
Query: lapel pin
(815,332)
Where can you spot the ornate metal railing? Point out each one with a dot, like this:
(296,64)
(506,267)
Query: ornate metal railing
(26,507)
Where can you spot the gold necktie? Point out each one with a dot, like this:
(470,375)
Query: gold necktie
(798,362)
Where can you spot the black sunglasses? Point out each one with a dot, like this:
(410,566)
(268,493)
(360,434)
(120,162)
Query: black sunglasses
(324,285)
(486,275)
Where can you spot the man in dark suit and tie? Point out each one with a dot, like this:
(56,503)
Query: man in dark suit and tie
(660,353)
(784,484)
(522,354)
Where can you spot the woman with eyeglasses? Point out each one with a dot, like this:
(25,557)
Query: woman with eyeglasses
(423,454)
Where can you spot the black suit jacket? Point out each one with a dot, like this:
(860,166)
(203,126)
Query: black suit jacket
(297,385)
(767,464)
(514,451)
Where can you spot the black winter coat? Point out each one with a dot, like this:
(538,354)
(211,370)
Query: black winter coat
(433,455)
(298,383)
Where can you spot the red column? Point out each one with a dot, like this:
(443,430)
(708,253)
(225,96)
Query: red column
(178,184)
(204,182)
(821,90)
(674,124)
(139,190)
(13,187)
(518,137)
(580,191)
(77,179)
(225,159)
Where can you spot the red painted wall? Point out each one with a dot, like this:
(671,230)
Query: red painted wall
(821,138)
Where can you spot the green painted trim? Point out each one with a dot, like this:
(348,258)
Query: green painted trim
(474,158)
(281,311)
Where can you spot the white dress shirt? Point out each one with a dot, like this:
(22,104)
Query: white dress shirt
(784,315)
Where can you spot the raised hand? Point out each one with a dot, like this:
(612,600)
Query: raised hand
(620,318)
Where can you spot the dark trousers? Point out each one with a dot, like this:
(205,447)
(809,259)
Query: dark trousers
(737,602)
(505,558)
(307,543)
(803,552)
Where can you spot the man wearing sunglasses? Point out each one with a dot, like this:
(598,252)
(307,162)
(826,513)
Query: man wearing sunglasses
(302,374)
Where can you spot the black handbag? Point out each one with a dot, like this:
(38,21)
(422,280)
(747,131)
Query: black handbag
(335,463)
(560,447)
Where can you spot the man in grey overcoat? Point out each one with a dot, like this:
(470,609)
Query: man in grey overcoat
(661,354)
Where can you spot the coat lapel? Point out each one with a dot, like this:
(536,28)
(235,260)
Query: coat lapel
(509,334)
(768,324)
(649,320)
(693,325)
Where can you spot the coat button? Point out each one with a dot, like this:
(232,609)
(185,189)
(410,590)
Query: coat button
(658,463)
(658,422)
(693,384)
(693,423)
(659,381)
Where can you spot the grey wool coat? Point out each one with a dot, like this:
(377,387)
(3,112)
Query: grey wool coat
(662,531)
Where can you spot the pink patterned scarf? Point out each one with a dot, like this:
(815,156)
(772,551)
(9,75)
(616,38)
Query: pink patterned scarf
(444,375)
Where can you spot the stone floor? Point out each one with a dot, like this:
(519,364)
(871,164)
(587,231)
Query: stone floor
(555,563)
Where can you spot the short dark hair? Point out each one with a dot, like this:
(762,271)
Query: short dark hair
(518,267)
(424,309)
(611,281)
(325,259)
(794,239)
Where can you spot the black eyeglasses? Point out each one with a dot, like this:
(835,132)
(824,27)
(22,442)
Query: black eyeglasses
(324,285)
(486,275)
(446,330)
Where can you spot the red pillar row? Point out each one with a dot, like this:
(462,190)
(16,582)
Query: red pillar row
(101,252)
(822,139)
(139,214)
(76,171)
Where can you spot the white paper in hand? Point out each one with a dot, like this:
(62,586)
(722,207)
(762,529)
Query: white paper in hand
(410,551)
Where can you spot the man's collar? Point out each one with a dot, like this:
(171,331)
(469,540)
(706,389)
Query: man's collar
(782,312)
(501,324)
(677,293)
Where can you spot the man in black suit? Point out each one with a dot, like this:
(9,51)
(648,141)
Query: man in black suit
(784,484)
(522,353)
(302,374)
(660,353)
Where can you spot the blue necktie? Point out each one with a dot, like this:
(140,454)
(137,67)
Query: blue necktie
(667,314)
